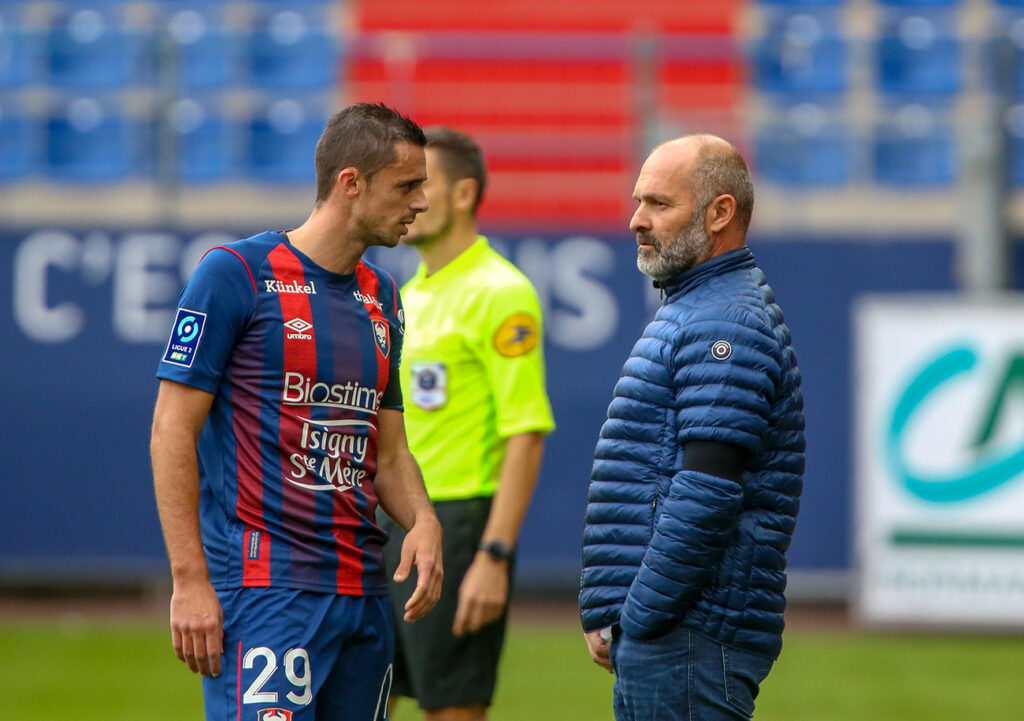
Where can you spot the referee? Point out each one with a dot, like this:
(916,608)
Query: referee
(476,415)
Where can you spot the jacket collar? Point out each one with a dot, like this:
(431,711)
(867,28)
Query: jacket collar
(724,263)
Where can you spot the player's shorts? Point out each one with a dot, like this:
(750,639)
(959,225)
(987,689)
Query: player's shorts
(292,655)
(431,664)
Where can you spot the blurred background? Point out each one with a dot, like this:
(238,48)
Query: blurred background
(887,145)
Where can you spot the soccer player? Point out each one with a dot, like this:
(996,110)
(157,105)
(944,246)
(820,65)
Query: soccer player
(477,412)
(278,427)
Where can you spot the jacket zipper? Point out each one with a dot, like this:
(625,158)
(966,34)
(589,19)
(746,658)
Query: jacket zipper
(654,512)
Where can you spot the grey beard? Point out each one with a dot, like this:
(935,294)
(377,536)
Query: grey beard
(678,255)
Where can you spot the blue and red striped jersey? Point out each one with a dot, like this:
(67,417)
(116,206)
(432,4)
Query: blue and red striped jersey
(298,359)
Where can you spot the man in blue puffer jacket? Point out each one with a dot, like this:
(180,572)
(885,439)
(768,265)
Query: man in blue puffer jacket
(697,474)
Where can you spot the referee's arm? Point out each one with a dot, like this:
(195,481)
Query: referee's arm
(483,594)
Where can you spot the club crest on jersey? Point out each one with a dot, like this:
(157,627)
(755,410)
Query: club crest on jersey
(186,333)
(380,336)
(274,714)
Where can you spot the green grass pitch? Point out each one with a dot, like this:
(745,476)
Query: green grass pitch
(91,670)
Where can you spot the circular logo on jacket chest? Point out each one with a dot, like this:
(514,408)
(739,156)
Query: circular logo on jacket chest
(721,349)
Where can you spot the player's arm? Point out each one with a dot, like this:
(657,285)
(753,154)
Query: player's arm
(196,616)
(403,496)
(483,594)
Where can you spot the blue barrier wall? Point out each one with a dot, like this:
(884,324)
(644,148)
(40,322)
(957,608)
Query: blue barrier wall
(84,316)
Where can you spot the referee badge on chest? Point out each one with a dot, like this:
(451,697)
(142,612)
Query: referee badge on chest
(429,385)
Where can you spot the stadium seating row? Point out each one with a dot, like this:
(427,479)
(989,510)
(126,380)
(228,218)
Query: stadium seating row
(911,148)
(91,141)
(889,3)
(88,141)
(914,55)
(89,53)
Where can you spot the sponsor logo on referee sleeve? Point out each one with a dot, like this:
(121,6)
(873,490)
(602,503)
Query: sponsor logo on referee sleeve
(517,335)
(186,333)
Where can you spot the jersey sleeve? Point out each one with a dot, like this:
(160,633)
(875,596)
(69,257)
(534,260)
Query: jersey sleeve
(396,334)
(213,310)
(512,354)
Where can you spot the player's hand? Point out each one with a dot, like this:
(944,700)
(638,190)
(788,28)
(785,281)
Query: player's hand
(482,595)
(422,548)
(600,650)
(197,627)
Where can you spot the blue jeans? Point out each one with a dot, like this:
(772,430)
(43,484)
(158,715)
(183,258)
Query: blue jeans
(683,676)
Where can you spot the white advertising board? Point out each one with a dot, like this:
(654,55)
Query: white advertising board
(939,453)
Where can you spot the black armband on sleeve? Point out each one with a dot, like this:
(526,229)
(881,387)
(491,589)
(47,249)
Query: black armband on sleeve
(715,458)
(392,397)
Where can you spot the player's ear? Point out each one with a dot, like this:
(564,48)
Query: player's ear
(349,182)
(464,192)
(719,213)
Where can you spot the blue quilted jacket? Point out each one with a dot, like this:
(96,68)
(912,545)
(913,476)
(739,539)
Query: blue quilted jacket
(663,546)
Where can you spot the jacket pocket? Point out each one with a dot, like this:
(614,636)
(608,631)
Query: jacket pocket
(743,673)
(654,514)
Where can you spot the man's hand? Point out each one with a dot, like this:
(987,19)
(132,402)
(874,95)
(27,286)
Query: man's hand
(197,627)
(422,548)
(482,595)
(599,650)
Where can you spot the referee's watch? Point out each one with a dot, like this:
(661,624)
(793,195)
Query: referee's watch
(497,549)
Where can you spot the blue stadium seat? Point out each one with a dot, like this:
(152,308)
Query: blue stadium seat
(927,4)
(17,144)
(317,10)
(88,141)
(86,51)
(805,150)
(203,141)
(1014,124)
(287,52)
(205,56)
(918,56)
(914,149)
(800,56)
(1005,56)
(803,3)
(20,56)
(282,140)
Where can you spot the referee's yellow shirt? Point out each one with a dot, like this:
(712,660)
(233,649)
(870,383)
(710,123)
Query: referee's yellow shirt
(472,370)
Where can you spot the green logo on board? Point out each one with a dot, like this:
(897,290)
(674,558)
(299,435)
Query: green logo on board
(990,468)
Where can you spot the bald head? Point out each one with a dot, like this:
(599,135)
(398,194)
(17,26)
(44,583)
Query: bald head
(709,166)
(694,200)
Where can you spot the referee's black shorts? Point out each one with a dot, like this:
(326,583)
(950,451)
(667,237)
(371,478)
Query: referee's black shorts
(431,664)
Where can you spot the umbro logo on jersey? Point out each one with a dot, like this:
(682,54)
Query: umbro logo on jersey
(293,286)
(298,326)
(367,299)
